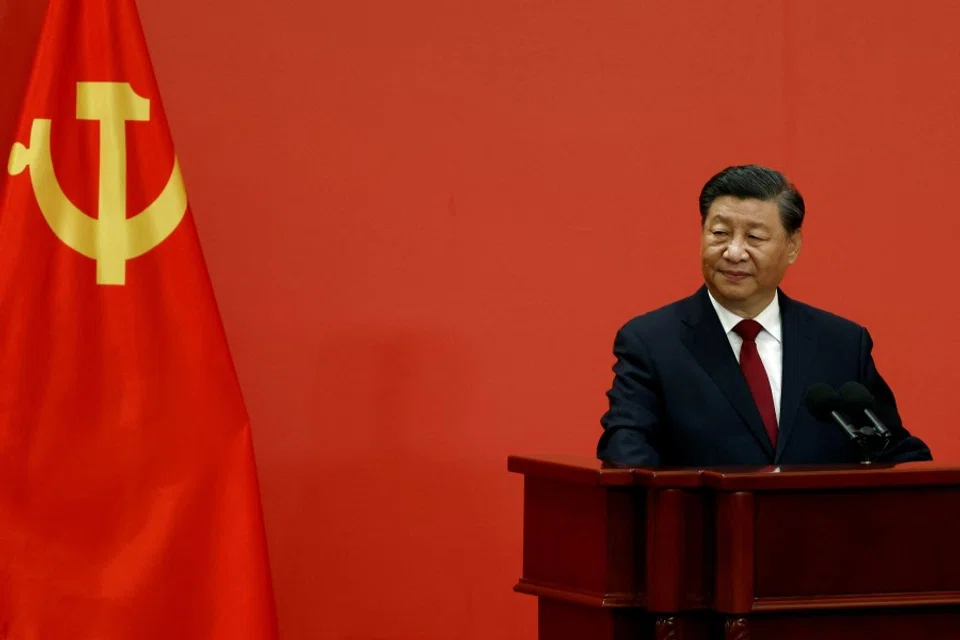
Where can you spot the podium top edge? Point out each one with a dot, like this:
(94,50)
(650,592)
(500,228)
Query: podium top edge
(589,471)
(848,476)
(576,469)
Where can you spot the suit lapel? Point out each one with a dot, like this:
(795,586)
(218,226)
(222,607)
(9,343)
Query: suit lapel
(797,351)
(711,347)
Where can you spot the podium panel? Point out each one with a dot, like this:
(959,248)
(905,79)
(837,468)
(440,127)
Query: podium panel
(868,543)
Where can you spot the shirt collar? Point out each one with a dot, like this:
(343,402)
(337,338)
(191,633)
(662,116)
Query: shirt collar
(769,318)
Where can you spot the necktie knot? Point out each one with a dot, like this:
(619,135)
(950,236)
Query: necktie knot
(748,329)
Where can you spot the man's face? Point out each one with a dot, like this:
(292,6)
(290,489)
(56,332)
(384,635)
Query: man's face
(745,252)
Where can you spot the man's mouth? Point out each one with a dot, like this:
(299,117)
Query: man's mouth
(735,275)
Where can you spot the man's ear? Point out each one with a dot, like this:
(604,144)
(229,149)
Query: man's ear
(794,244)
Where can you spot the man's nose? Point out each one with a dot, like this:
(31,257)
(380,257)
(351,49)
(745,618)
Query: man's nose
(736,251)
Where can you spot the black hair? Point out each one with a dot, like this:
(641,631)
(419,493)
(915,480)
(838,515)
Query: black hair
(754,181)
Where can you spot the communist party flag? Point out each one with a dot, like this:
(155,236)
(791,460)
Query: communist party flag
(129,501)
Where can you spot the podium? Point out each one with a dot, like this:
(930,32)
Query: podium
(802,553)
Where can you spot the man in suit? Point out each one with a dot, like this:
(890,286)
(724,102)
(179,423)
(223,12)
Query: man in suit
(719,378)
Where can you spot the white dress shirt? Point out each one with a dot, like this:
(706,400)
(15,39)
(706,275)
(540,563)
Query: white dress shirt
(769,342)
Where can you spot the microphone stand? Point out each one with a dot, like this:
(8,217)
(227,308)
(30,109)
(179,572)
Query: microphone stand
(858,436)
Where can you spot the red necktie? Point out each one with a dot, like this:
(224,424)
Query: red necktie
(756,376)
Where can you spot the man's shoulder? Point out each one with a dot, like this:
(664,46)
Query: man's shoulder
(820,318)
(664,317)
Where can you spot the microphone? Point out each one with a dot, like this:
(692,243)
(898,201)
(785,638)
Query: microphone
(823,402)
(858,397)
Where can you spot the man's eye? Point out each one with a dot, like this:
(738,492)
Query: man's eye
(753,237)
(720,234)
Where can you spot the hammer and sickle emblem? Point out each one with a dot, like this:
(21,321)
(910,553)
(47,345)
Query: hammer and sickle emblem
(111,238)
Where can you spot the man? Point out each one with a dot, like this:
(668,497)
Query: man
(719,378)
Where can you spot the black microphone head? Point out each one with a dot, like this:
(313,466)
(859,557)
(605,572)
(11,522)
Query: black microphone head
(821,399)
(856,395)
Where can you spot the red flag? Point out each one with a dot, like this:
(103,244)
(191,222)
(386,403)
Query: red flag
(129,504)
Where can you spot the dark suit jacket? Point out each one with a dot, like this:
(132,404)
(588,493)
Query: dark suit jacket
(680,399)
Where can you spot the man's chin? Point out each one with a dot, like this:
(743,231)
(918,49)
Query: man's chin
(723,288)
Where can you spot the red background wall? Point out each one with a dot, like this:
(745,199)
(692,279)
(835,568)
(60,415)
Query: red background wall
(425,221)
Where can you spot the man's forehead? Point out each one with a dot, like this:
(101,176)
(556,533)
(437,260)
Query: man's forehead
(752,210)
(734,218)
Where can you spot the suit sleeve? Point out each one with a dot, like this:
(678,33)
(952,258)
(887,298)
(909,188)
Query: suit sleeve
(631,423)
(903,446)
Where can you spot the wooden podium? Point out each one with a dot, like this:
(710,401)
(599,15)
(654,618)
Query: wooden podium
(804,553)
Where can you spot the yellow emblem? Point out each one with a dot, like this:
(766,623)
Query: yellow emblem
(111,238)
